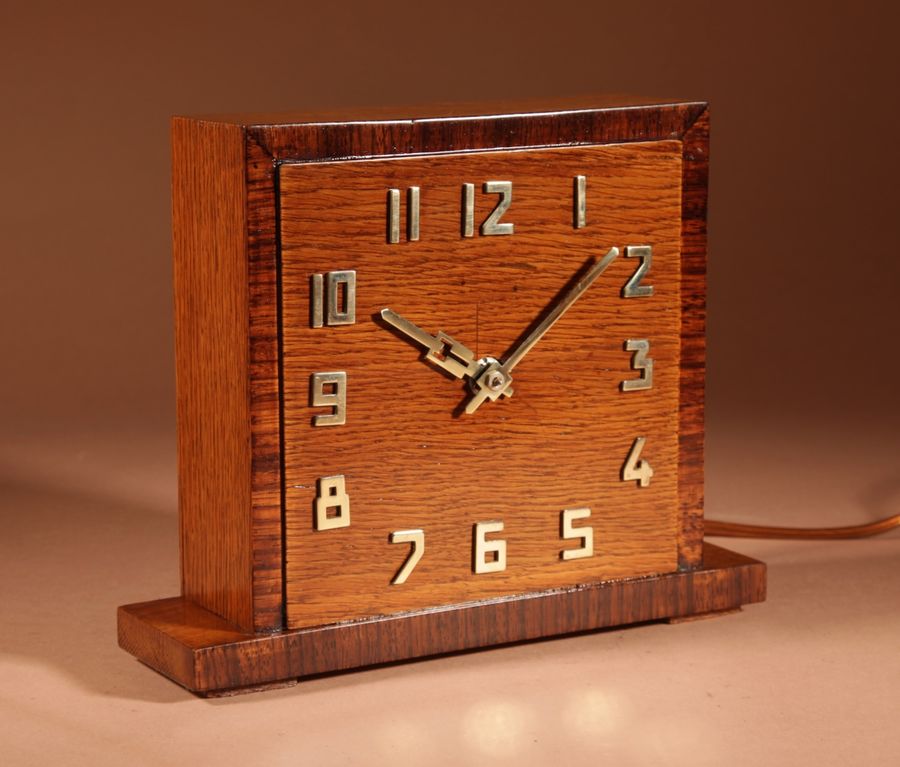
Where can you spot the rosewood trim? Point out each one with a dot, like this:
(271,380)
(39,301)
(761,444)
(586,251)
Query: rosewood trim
(208,655)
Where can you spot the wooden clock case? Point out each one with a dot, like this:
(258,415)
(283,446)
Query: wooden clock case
(226,632)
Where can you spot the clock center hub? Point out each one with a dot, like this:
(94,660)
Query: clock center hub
(496,380)
(492,376)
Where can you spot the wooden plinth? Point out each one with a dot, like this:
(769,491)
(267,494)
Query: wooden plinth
(208,655)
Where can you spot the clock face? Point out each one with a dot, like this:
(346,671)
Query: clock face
(480,375)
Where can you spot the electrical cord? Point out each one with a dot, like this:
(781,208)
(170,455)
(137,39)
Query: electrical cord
(737,530)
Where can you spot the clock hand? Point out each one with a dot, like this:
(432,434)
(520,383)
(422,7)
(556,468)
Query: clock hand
(562,306)
(441,350)
(495,378)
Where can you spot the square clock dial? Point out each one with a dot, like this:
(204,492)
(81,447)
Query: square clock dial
(440,386)
(413,478)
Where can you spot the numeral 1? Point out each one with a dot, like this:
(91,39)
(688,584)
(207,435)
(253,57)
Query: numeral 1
(332,503)
(580,211)
(636,469)
(468,207)
(488,556)
(633,288)
(412,214)
(417,539)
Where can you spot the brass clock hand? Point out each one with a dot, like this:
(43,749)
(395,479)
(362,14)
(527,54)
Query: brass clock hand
(495,379)
(559,310)
(441,350)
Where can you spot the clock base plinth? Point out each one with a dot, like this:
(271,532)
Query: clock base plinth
(209,656)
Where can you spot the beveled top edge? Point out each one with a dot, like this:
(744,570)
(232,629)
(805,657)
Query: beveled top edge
(368,114)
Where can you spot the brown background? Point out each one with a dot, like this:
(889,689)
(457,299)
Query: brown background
(803,267)
(802,394)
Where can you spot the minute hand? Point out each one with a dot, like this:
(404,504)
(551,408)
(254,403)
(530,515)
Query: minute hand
(562,306)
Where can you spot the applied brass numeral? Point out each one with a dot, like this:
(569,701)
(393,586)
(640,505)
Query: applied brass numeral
(417,539)
(492,225)
(488,556)
(634,287)
(568,532)
(580,207)
(332,503)
(468,209)
(636,469)
(329,390)
(639,361)
(413,195)
(333,298)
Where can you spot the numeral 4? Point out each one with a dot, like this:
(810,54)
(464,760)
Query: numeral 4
(636,469)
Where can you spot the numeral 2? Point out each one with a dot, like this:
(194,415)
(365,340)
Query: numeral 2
(633,288)
(492,223)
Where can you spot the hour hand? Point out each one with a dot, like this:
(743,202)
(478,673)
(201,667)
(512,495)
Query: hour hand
(440,350)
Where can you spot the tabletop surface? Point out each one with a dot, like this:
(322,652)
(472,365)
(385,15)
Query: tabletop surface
(811,676)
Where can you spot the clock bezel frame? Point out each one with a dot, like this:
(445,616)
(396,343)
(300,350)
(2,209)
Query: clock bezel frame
(270,145)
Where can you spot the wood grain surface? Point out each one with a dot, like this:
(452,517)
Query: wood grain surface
(206,654)
(264,515)
(211,354)
(409,458)
(692,398)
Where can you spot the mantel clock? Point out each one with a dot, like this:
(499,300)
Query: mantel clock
(440,386)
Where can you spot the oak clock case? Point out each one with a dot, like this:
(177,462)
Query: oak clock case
(437,397)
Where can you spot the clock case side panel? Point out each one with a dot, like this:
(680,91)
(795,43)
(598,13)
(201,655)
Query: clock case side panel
(691,427)
(227,382)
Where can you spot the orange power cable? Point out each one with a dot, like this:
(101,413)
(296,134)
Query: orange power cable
(737,530)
